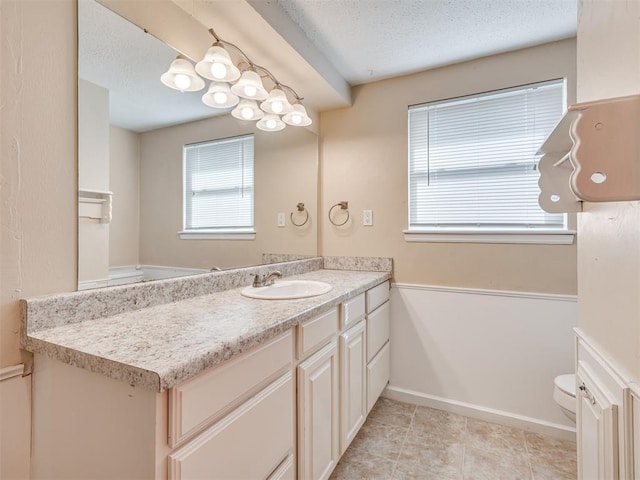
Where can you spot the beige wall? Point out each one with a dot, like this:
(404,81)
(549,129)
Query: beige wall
(285,173)
(364,160)
(93,174)
(38,211)
(93,136)
(609,249)
(124,180)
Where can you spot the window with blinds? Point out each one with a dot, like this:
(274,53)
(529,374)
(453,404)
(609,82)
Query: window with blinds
(218,186)
(473,164)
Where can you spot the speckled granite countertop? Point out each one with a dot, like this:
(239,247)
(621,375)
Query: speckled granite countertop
(160,346)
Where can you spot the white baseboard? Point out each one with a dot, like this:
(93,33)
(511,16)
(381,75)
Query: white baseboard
(481,413)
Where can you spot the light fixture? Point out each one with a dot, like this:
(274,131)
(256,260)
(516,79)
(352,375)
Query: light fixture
(219,96)
(229,88)
(250,86)
(270,123)
(297,116)
(247,110)
(181,76)
(277,102)
(217,65)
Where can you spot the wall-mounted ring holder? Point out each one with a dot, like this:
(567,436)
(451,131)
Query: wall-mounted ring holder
(300,208)
(344,205)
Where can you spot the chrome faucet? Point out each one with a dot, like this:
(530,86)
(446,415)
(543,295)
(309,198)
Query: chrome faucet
(271,277)
(268,279)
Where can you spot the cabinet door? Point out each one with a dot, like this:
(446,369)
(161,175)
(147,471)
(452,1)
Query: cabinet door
(318,414)
(353,383)
(261,428)
(597,423)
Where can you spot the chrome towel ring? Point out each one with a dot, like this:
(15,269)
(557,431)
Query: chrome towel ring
(300,208)
(344,205)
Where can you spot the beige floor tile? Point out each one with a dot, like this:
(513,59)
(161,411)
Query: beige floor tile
(436,456)
(483,465)
(550,473)
(551,455)
(380,439)
(402,442)
(392,412)
(412,472)
(497,439)
(446,426)
(362,465)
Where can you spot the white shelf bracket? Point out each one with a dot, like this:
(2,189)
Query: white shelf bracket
(602,141)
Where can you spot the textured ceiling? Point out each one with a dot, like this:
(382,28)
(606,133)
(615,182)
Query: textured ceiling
(367,40)
(313,45)
(122,58)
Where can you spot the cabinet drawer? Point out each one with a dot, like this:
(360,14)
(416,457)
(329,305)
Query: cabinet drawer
(250,442)
(315,332)
(351,311)
(197,402)
(376,296)
(377,330)
(377,376)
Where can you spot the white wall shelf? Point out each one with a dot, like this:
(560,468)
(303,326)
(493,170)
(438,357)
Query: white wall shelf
(95,204)
(601,140)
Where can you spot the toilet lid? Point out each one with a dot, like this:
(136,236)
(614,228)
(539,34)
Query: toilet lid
(566,383)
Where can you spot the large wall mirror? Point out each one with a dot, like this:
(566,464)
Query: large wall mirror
(131,134)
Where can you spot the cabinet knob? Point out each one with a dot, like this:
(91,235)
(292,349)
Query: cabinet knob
(587,394)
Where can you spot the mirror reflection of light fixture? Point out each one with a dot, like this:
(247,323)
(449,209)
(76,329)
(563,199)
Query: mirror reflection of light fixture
(277,102)
(250,86)
(230,88)
(181,76)
(270,123)
(297,116)
(247,110)
(217,65)
(219,96)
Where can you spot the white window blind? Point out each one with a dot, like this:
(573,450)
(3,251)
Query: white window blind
(472,164)
(218,185)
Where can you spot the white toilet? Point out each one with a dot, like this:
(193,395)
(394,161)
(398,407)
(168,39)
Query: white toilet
(564,393)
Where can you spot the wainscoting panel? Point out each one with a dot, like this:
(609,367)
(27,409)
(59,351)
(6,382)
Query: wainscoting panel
(487,354)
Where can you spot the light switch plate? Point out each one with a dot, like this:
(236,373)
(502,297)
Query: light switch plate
(367,218)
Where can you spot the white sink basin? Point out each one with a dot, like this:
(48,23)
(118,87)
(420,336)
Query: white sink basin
(287,289)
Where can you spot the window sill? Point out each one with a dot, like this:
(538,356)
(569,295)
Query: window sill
(544,237)
(217,235)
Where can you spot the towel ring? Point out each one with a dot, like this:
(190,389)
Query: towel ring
(344,205)
(300,208)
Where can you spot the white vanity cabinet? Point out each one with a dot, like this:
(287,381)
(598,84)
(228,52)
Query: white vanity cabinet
(255,415)
(318,414)
(603,416)
(377,308)
(91,426)
(286,409)
(597,431)
(353,365)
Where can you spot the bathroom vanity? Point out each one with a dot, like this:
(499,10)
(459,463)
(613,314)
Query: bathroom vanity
(215,385)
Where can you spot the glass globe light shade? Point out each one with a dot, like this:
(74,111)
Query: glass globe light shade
(181,76)
(219,96)
(276,103)
(270,123)
(297,116)
(250,86)
(217,65)
(247,110)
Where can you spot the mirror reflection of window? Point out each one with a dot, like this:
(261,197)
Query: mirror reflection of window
(218,185)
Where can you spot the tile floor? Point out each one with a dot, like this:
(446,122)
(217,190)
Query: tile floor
(402,441)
